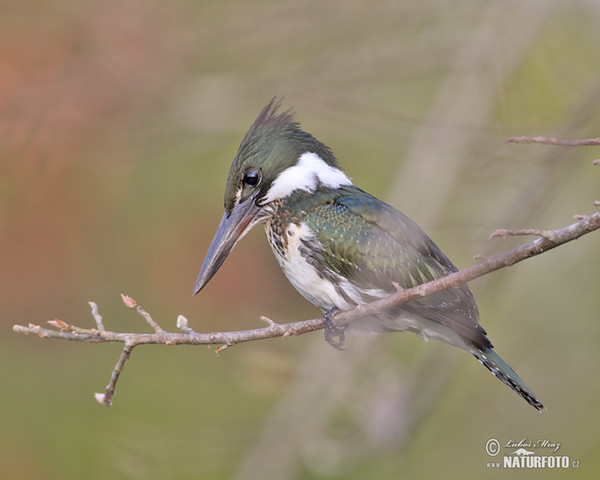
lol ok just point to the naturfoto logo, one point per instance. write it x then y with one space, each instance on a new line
525 453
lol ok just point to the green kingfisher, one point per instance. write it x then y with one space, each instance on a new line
340 246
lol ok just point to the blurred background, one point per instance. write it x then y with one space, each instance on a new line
118 123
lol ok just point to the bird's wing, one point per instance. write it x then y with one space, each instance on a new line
373 245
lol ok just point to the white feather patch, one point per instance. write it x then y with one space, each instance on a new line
310 172
303 276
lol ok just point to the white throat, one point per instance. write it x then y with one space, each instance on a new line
310 172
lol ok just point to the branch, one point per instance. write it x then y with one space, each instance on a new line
548 240
551 239
63 331
555 141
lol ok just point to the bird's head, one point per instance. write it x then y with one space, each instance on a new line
275 159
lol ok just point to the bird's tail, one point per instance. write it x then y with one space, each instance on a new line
492 361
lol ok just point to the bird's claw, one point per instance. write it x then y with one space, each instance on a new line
334 335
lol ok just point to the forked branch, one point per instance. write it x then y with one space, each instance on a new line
548 240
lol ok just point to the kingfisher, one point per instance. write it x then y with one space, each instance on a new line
340 246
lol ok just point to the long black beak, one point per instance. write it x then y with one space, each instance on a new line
232 228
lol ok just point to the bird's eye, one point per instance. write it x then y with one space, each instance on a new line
251 178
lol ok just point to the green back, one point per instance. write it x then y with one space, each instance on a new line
373 245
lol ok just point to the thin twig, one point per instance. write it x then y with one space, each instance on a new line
106 397
131 303
97 316
267 320
555 141
182 324
549 234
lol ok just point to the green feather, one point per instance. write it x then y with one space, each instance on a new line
374 245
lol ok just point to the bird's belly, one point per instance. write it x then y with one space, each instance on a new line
333 290
310 283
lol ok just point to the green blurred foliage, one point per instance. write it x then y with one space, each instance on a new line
118 122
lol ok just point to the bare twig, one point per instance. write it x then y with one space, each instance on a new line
106 397
555 141
549 234
182 324
549 239
97 316
131 303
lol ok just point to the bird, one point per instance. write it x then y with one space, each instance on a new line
339 246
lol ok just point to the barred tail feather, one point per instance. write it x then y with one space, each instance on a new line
492 361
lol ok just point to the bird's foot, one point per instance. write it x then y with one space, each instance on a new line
334 335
